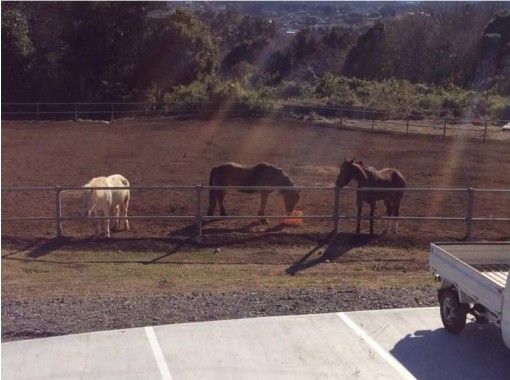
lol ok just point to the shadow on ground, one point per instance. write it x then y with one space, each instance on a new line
419 350
334 247
246 236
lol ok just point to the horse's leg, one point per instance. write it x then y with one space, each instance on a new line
396 211
372 211
124 211
116 212
221 197
389 212
121 221
97 224
263 200
212 202
359 203
107 221
102 229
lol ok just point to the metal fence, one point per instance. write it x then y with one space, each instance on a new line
198 217
338 115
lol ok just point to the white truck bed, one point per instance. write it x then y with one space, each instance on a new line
479 269
494 272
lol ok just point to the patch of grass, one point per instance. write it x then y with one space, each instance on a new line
201 271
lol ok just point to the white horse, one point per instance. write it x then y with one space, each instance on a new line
108 202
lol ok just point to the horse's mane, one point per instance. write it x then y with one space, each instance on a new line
366 171
285 179
367 168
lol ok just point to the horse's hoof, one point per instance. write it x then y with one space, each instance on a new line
264 221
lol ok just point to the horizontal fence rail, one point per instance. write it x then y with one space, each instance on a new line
199 216
439 124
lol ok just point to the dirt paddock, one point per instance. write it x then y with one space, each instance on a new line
40 274
170 152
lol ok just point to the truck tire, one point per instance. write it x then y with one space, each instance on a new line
453 313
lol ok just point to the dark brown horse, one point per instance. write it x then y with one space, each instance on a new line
262 174
367 176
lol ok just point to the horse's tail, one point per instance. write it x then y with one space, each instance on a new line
400 182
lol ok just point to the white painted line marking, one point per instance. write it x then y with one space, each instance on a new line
377 348
393 310
158 354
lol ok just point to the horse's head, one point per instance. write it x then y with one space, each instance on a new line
291 198
347 171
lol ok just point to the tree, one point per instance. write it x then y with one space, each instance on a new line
181 49
279 65
494 65
388 10
17 54
105 42
311 53
368 58
248 42
48 21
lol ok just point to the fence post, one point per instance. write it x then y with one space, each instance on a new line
75 112
111 111
198 218
37 111
407 124
485 131
444 128
373 122
336 211
469 216
58 210
341 116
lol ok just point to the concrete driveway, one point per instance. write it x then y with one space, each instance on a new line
383 344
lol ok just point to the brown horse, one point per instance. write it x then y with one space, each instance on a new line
262 174
367 176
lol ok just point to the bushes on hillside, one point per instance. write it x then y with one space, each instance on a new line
209 96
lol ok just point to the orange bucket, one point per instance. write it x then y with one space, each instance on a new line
295 220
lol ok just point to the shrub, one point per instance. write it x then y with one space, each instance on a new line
288 90
205 97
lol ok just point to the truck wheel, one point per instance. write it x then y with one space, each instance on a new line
453 313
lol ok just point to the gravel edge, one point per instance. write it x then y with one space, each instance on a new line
27 319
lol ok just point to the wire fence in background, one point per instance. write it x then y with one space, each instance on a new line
199 217
350 117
